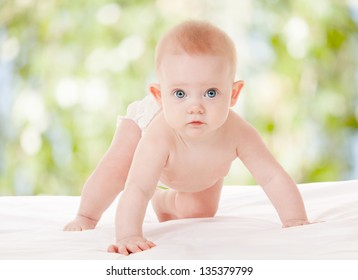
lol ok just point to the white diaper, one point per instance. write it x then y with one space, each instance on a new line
141 112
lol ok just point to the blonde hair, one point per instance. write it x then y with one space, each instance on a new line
196 37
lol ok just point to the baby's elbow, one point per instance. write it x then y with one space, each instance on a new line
276 177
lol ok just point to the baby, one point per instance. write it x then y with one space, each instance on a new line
185 136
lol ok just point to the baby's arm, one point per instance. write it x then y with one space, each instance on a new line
148 162
108 179
277 184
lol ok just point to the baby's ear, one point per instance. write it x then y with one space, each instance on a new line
155 91
236 89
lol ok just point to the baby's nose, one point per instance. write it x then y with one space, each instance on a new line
196 109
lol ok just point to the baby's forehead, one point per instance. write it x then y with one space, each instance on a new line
179 70
196 38
180 58
180 64
207 45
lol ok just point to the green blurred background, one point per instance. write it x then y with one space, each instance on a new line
68 68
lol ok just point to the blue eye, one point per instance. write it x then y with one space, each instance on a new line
180 94
211 93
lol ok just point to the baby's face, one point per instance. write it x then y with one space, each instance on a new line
195 93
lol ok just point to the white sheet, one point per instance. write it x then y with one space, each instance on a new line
246 227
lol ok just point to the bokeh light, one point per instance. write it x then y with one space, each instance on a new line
69 68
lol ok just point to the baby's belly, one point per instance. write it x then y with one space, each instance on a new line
195 175
189 183
184 186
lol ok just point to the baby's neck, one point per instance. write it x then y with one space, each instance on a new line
208 139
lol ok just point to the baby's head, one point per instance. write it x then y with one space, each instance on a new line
195 65
196 38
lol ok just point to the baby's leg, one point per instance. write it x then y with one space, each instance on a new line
108 178
170 204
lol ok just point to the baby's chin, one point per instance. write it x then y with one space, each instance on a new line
197 132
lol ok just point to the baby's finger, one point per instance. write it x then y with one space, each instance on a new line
151 244
145 245
123 250
71 228
133 248
112 249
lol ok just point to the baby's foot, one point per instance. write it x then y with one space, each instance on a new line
80 223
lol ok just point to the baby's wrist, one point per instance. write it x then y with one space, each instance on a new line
125 238
88 219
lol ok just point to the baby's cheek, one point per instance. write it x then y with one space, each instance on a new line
220 116
172 119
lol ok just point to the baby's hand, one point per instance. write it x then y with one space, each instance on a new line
130 245
80 223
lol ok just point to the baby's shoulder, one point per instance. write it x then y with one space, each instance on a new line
235 122
242 131
158 129
240 128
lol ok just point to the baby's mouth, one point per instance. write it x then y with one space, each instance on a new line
196 123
